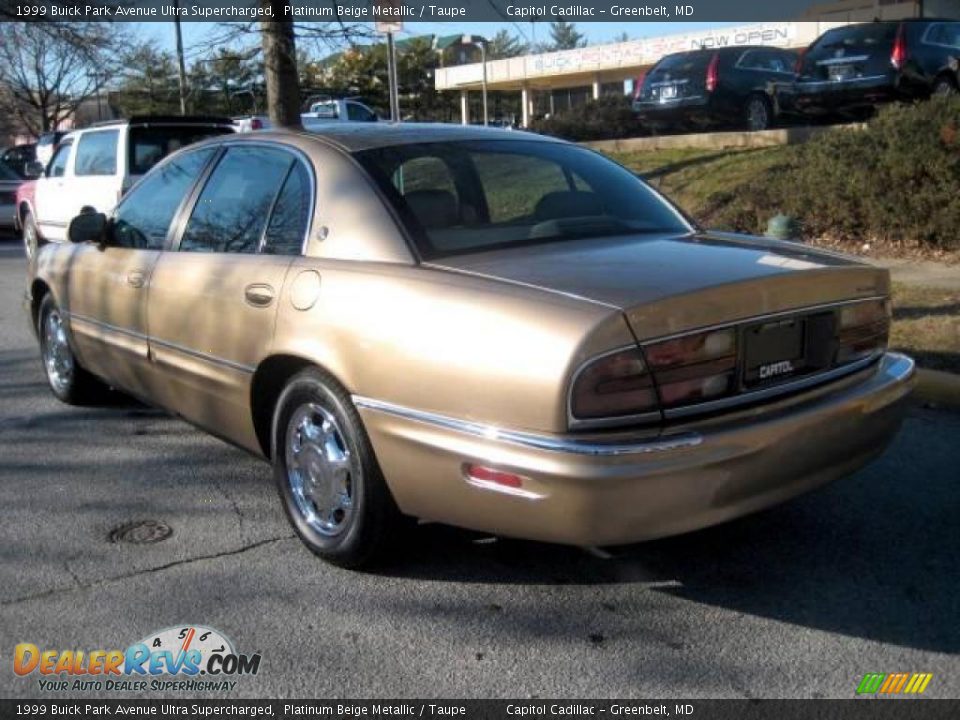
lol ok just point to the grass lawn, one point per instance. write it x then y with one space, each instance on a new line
699 180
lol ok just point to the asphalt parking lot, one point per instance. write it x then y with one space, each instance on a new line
799 601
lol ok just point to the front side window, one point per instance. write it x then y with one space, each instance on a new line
232 210
97 153
358 113
143 218
58 163
513 193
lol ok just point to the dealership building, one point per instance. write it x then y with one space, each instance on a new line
554 81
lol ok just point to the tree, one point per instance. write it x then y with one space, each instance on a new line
564 36
48 75
505 45
150 84
280 63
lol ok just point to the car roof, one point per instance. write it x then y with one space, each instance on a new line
354 137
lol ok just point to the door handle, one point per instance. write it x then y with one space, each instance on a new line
259 295
136 279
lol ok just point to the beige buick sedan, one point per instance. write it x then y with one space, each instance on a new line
483 328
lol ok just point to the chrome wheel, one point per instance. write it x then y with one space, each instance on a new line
30 238
57 356
321 471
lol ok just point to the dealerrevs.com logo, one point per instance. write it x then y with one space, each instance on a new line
189 658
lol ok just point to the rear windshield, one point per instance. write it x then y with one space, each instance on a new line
149 145
682 64
463 197
860 37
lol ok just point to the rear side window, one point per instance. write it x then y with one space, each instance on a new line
231 213
58 163
143 218
150 145
97 153
290 216
947 34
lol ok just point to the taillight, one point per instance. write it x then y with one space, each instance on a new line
898 58
613 385
256 124
864 329
694 368
713 73
798 65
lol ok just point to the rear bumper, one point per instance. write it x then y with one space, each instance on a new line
585 493
696 109
831 96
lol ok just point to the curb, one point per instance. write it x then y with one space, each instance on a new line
938 388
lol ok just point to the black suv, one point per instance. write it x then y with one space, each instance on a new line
850 69
703 88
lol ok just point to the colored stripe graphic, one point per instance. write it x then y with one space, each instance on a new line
894 683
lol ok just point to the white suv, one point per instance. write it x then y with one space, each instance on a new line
94 167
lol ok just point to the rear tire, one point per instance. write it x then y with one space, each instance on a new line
758 113
67 379
30 235
327 476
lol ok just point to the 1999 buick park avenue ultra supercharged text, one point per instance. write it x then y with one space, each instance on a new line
488 329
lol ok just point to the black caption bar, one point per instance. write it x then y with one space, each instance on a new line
409 10
866 709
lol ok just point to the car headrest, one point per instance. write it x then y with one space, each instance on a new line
434 208
567 203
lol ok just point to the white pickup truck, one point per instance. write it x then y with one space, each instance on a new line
320 113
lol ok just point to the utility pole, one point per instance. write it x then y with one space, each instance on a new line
181 67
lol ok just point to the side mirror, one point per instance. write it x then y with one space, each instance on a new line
87 227
33 169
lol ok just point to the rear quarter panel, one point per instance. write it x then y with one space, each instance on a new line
446 342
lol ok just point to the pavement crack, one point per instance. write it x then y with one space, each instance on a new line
233 504
138 573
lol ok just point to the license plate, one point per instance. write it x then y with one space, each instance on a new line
773 351
840 72
668 92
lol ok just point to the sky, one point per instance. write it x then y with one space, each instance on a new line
196 35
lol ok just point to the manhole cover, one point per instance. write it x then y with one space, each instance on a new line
142 532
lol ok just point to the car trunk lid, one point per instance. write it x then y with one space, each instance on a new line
668 284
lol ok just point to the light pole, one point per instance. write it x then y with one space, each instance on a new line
181 68
478 40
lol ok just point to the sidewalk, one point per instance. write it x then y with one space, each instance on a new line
926 273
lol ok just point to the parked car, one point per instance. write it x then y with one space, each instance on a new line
850 69
249 123
9 182
490 329
709 88
47 144
17 157
94 167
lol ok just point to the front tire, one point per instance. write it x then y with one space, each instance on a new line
67 379
944 86
327 475
758 113
30 235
